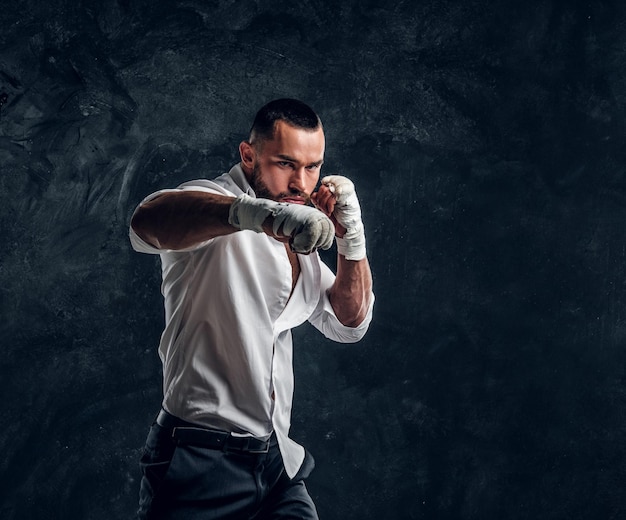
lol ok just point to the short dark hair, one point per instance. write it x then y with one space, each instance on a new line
291 111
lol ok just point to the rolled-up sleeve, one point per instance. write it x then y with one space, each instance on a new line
325 320
141 246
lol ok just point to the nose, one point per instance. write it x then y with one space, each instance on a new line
298 179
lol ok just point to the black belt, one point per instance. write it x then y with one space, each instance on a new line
188 434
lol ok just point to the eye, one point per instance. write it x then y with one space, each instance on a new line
284 164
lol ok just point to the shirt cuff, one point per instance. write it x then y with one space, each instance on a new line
334 329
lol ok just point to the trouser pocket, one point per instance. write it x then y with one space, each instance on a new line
155 463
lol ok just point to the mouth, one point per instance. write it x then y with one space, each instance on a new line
294 200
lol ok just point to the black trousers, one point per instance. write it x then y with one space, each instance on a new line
186 482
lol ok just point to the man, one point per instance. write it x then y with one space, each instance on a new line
240 269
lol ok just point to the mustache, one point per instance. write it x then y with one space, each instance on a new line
295 193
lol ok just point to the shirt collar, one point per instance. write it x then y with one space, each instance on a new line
239 177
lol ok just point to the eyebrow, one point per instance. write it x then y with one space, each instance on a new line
286 157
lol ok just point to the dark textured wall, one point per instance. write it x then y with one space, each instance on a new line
486 141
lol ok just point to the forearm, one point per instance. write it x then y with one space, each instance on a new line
181 219
350 295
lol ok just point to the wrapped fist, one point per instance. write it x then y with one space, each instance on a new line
347 213
307 228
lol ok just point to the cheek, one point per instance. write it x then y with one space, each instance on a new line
276 180
311 181
270 177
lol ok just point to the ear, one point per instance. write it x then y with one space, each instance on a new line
248 155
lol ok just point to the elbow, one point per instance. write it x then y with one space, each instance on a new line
140 224
352 320
352 315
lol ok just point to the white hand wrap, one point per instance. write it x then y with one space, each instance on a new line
308 227
348 213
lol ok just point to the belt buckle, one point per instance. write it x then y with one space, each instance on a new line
246 447
263 450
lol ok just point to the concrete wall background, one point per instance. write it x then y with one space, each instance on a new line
486 143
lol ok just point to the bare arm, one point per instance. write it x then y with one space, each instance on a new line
350 295
181 219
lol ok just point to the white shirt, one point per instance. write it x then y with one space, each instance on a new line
229 310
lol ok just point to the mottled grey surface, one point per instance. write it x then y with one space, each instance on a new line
486 141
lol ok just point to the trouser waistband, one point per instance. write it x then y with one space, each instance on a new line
185 433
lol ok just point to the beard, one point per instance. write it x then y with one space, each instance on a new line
262 191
